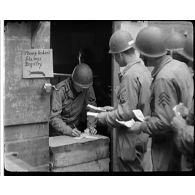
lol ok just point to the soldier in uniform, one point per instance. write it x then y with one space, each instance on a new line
172 84
174 42
133 93
188 54
69 101
184 138
184 129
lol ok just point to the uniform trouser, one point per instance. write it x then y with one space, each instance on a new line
165 156
130 151
187 162
128 166
147 160
145 165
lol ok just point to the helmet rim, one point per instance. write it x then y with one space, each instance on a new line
151 55
120 51
186 55
82 85
120 41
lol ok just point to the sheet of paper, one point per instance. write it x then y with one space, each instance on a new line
86 131
92 114
96 108
78 137
90 137
86 135
139 115
127 123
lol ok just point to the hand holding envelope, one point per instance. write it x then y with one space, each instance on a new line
93 114
100 109
138 114
97 109
126 123
180 110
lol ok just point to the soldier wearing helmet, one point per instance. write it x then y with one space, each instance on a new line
69 101
174 43
133 93
188 53
172 84
184 127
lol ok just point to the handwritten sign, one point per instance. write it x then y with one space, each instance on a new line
38 63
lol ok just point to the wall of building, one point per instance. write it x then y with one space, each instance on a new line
26 109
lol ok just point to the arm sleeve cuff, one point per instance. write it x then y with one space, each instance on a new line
144 127
67 130
102 117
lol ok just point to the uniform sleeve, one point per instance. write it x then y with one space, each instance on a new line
55 115
91 99
185 140
128 100
190 117
165 98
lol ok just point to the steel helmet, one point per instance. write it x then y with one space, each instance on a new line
82 76
188 52
120 41
175 41
150 42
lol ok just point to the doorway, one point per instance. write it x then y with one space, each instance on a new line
90 41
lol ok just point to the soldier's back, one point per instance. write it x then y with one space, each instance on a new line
178 74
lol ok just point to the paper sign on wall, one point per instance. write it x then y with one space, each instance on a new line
38 63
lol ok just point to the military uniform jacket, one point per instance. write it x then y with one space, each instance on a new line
185 142
68 108
172 84
185 137
133 93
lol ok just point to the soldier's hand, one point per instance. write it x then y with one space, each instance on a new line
136 128
75 132
181 110
101 117
178 123
146 118
92 130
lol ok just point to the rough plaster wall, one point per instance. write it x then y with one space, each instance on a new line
26 107
179 26
24 101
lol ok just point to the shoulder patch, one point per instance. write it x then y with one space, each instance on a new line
123 96
61 84
65 84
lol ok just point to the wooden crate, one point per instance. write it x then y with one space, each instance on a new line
70 154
